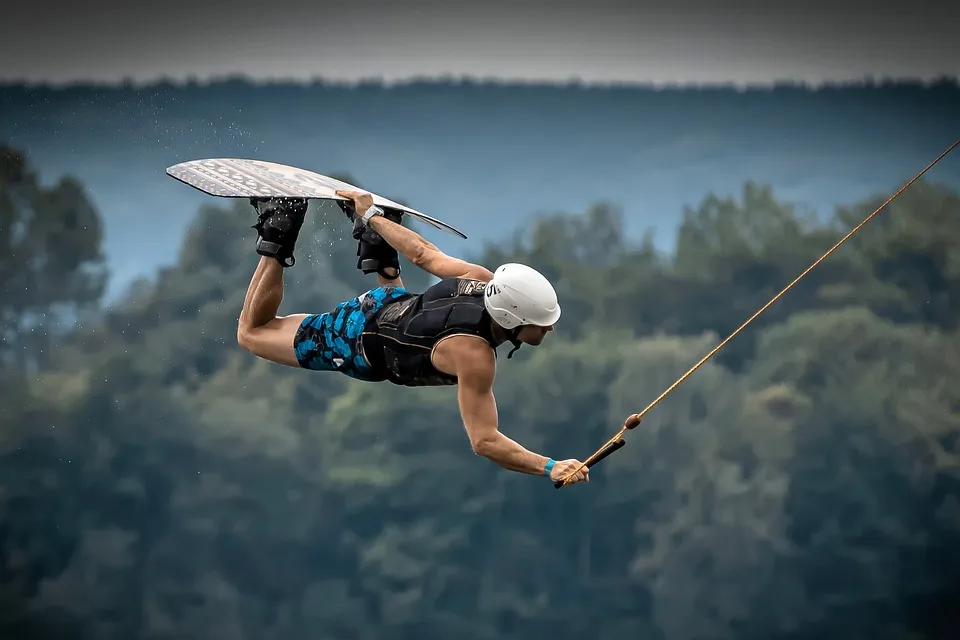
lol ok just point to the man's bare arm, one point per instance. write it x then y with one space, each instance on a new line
413 246
478 407
425 255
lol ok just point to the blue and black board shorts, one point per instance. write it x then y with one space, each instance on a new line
329 341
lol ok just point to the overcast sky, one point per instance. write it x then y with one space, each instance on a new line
593 40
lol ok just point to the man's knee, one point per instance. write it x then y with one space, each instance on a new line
252 339
273 341
245 339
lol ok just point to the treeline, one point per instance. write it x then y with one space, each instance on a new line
157 482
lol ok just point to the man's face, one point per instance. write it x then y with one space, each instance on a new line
533 334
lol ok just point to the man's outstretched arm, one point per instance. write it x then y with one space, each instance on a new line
425 255
415 247
478 407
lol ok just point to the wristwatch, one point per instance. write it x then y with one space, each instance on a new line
374 210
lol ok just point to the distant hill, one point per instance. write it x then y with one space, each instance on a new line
483 156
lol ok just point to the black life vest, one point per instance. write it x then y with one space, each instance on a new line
398 342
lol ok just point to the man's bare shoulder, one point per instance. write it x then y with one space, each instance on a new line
468 357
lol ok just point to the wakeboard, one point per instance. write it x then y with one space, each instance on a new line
243 178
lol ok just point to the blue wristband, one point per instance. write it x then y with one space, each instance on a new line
547 468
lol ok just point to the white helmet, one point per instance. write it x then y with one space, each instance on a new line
520 295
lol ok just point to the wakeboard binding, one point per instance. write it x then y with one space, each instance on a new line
374 254
279 221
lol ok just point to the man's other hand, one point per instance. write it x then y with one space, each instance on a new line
563 468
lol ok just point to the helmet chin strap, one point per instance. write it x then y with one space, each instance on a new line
512 337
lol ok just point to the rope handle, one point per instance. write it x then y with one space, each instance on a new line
613 444
602 453
617 441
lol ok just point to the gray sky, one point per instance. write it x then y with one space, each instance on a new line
593 40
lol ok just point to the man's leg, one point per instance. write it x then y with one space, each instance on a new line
259 330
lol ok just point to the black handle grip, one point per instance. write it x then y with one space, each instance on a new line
610 449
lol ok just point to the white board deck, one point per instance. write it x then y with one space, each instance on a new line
244 178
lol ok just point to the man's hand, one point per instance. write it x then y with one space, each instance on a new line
562 468
361 199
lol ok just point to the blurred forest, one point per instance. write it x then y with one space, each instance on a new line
157 482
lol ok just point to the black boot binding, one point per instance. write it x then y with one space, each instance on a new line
373 253
377 258
278 226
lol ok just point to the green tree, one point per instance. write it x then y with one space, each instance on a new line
156 481
51 262
909 256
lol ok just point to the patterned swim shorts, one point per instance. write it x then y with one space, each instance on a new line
328 341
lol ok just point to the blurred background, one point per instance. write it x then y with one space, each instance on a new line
669 167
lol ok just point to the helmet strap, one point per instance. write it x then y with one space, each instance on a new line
512 336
